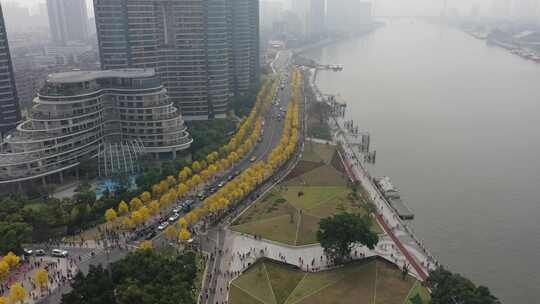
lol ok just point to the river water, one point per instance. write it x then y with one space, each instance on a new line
455 123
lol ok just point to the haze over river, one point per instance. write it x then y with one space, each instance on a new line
456 125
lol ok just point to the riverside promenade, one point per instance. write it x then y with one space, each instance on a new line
407 245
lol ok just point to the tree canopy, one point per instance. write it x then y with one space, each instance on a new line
450 288
143 277
338 234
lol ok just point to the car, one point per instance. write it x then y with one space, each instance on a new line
162 226
174 217
230 177
220 185
40 252
177 209
253 159
59 253
201 195
28 252
187 208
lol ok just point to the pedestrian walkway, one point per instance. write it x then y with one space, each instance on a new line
415 252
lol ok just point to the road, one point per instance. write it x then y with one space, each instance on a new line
95 254
271 134
216 242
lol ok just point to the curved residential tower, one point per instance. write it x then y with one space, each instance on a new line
76 113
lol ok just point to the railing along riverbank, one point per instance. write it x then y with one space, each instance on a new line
421 264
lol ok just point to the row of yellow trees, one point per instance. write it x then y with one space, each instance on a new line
235 190
17 292
8 262
189 179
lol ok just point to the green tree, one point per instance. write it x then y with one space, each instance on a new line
94 288
338 234
448 287
142 277
12 235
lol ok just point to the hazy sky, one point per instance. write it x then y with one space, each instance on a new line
385 7
417 7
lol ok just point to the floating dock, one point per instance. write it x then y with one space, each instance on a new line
392 195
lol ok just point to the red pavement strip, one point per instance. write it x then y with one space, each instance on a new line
387 229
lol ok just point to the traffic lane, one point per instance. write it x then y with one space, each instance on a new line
73 252
270 138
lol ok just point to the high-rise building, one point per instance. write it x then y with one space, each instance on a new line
244 45
316 18
186 41
347 16
10 114
68 20
270 12
80 115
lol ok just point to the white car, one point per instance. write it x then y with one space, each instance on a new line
59 253
163 226
174 217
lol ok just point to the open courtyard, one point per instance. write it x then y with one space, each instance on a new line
369 281
316 188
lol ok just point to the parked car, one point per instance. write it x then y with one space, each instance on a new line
162 226
253 159
221 184
27 252
59 253
40 252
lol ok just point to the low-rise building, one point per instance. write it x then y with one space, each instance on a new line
77 112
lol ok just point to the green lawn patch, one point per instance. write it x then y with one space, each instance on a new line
318 151
283 280
255 283
391 288
356 286
324 176
279 229
307 231
368 281
309 197
303 167
273 205
242 297
312 283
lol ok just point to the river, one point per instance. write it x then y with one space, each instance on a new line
455 124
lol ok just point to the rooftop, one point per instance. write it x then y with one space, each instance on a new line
81 76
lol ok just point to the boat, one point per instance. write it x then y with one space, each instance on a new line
392 196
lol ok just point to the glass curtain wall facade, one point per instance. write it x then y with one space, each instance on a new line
10 114
185 41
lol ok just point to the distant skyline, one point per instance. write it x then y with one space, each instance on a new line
435 7
32 5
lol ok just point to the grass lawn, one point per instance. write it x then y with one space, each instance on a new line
307 230
279 229
390 280
321 151
324 176
291 212
272 205
303 167
312 196
368 281
285 217
255 283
